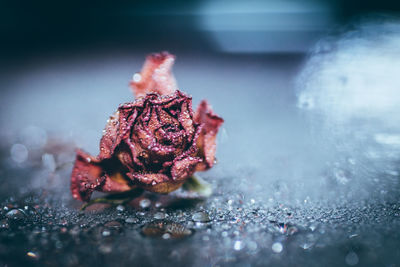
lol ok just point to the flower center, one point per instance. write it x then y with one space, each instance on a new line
169 128
169 134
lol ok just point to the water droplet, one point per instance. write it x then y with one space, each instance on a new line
159 215
16 215
106 233
313 227
32 255
277 247
238 245
353 235
120 208
166 236
306 245
4 224
137 77
131 220
201 217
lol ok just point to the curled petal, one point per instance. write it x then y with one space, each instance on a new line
184 168
110 138
118 128
186 117
155 76
206 141
87 176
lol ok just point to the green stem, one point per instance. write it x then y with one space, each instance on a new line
196 184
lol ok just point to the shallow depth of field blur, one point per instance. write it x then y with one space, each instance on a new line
308 157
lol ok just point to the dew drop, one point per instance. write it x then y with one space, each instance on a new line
238 245
120 208
106 233
32 255
131 220
159 215
166 236
201 217
277 247
144 203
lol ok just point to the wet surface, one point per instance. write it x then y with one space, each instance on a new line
269 205
45 227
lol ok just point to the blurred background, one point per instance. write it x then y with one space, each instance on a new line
39 28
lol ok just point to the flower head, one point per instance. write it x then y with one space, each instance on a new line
154 143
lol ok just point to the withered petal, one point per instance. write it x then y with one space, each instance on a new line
206 142
110 138
155 76
186 117
157 112
116 183
155 182
148 178
87 176
184 167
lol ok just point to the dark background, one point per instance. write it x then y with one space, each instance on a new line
35 27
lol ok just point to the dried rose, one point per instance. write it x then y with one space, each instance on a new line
154 143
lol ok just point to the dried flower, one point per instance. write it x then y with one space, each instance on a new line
155 76
154 143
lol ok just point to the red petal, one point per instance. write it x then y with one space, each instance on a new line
110 138
87 176
206 142
186 117
118 129
155 76
184 168
148 178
